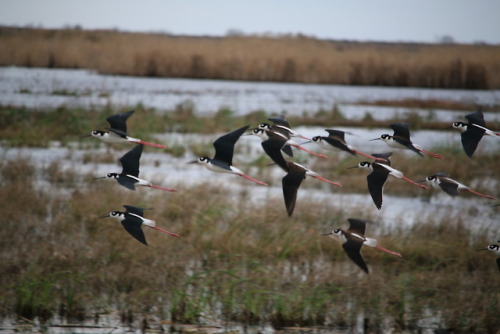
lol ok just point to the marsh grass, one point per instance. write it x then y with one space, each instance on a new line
256 58
235 261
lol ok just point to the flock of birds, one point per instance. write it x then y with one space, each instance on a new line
277 141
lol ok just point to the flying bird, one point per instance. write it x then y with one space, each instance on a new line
336 140
378 176
296 173
353 239
265 134
117 132
132 220
473 131
129 176
448 185
222 162
401 140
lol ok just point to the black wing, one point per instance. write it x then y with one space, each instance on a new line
352 249
471 138
401 130
272 147
476 117
376 181
338 143
224 145
450 188
118 122
357 226
384 156
130 161
133 226
135 210
336 134
279 120
291 183
127 182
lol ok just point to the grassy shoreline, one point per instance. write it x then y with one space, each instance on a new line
256 58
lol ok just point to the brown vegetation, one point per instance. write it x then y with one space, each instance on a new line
256 58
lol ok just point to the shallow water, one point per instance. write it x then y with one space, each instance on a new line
52 88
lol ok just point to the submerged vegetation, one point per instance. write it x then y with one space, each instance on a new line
237 260
288 58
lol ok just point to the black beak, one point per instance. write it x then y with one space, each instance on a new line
326 234
104 216
193 162
375 139
85 136
482 249
352 167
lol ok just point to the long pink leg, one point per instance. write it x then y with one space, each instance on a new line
369 156
327 181
415 183
151 144
387 251
165 231
161 188
479 194
310 152
252 179
432 154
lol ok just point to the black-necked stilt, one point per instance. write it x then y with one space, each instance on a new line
117 132
401 140
473 131
222 162
280 124
449 186
296 173
129 177
133 219
336 139
378 176
265 134
353 239
495 248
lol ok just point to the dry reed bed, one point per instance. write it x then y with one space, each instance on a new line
283 59
234 262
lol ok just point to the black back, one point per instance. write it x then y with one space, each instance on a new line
224 145
291 183
118 122
130 161
376 180
127 182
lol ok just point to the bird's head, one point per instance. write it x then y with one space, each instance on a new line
115 214
201 160
461 126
